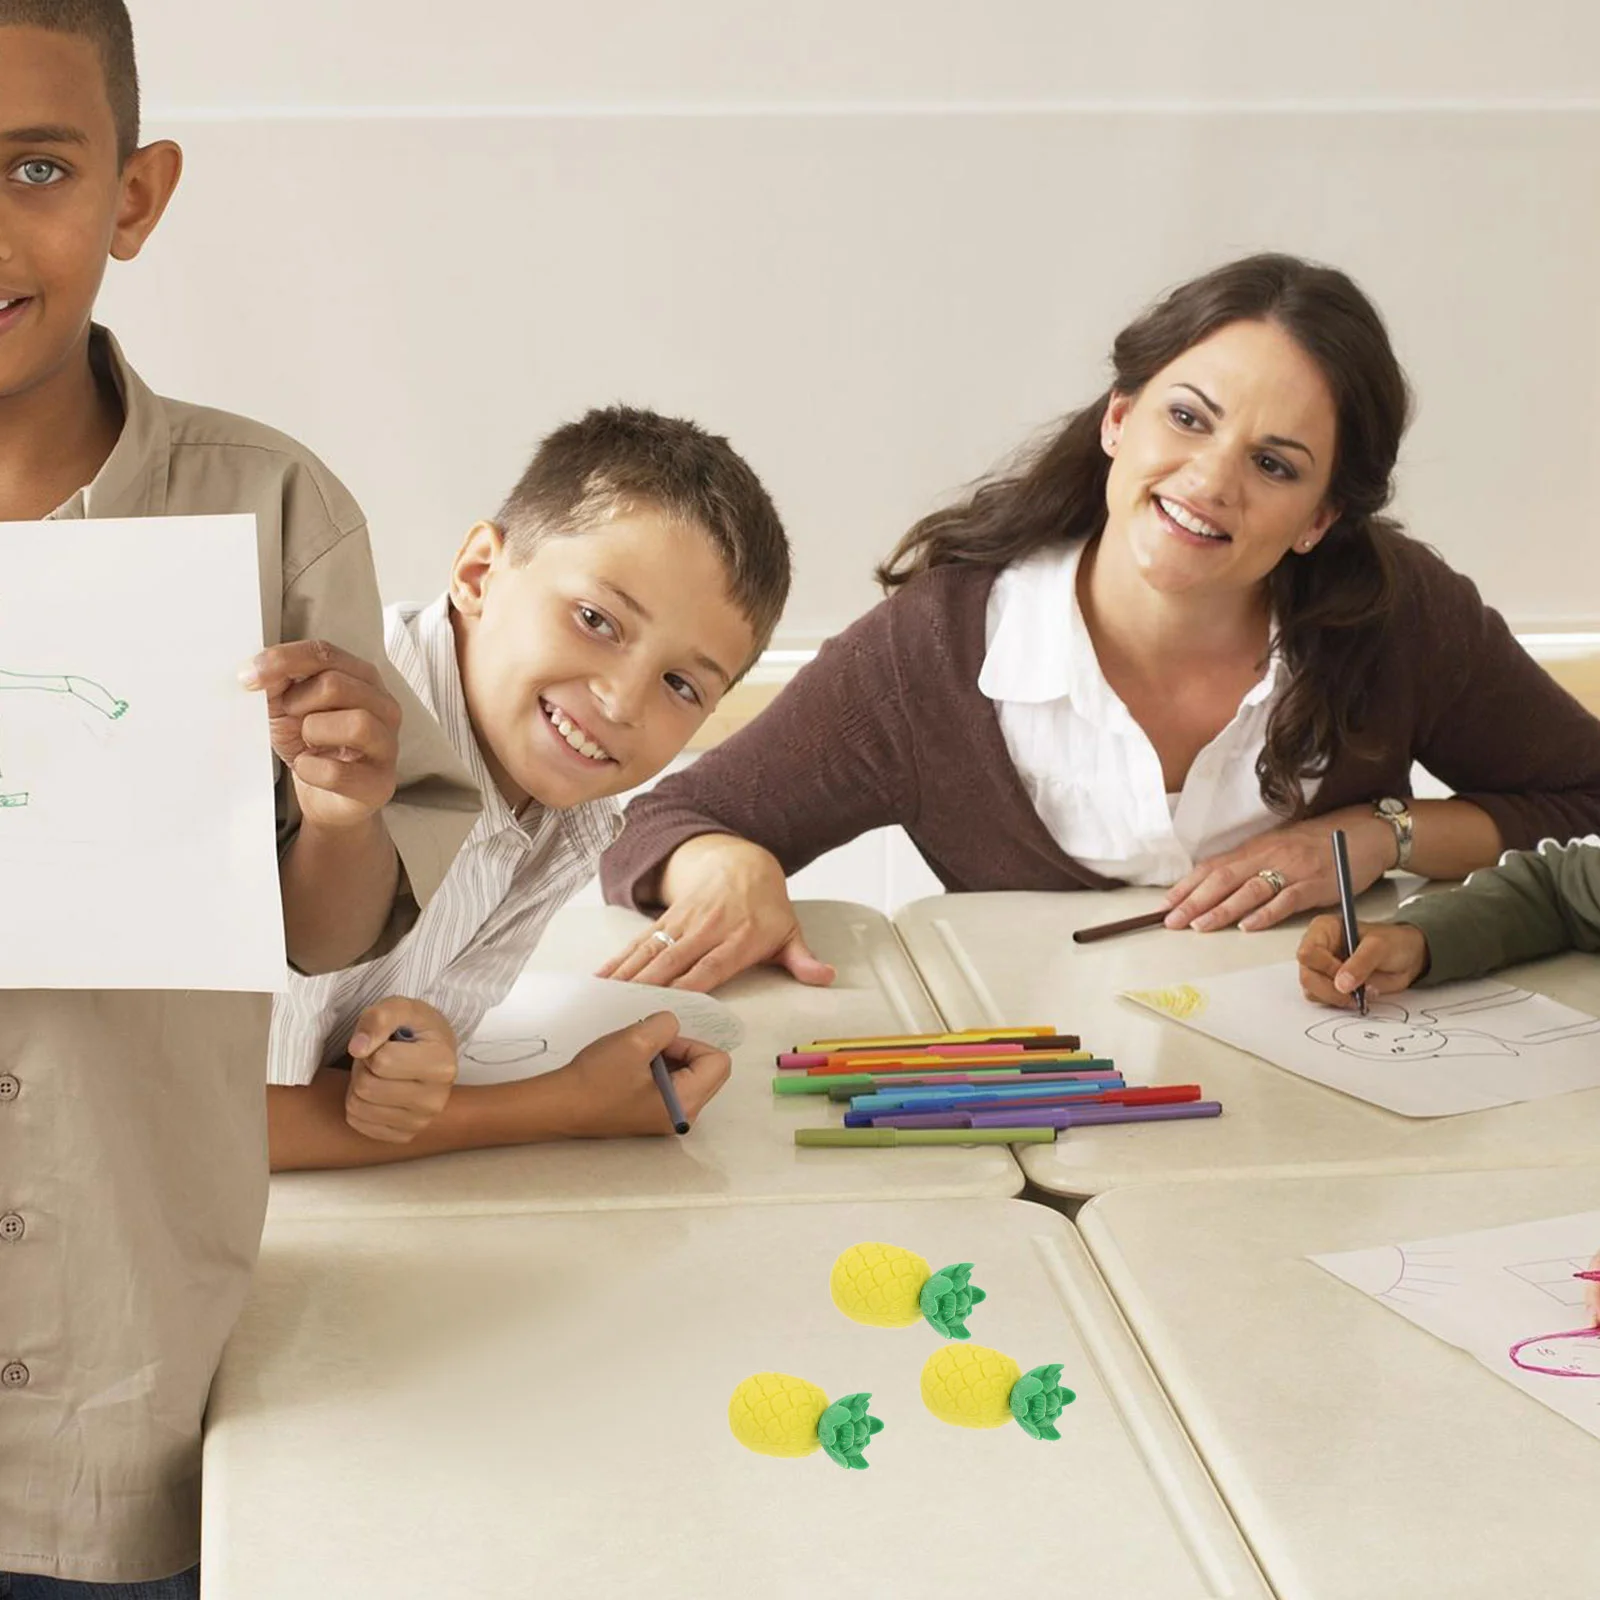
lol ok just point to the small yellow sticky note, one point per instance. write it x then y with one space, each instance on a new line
1183 1000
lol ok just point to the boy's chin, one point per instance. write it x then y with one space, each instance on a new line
558 791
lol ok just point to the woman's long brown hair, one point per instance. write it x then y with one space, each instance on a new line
1330 606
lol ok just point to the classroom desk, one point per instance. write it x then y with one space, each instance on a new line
990 958
471 1408
742 1150
1363 1458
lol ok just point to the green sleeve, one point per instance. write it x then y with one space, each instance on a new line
1535 903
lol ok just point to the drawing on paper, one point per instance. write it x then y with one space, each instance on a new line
1503 1024
1573 1354
1181 1000
1418 1274
65 683
1556 1278
504 1052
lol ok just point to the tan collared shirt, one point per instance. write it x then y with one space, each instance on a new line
133 1162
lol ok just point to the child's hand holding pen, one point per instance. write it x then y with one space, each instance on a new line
1591 1291
402 1067
1389 957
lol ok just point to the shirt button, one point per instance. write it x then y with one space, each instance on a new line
13 1375
12 1227
9 1087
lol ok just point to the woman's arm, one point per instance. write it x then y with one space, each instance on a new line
830 759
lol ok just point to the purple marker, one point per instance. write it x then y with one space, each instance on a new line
1051 1117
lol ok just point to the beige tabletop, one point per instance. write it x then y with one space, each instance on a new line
469 1408
991 958
742 1149
1364 1458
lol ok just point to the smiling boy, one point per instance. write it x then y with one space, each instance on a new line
634 574
132 1178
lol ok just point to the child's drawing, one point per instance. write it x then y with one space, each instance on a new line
1503 1024
66 683
1438 1052
1484 1291
504 1052
1574 1354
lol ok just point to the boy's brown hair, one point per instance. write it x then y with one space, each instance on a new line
621 459
106 25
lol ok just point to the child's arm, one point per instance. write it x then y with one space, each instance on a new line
336 730
1535 903
605 1092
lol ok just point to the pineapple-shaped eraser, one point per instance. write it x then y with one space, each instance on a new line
971 1387
776 1415
887 1287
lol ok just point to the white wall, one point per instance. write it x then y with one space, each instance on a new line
875 243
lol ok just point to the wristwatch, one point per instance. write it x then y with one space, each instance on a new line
1398 815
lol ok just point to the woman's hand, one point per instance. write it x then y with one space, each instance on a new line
1244 885
728 908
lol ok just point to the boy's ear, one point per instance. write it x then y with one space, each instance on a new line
148 178
482 548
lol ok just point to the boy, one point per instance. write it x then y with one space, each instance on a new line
1535 903
632 577
132 1179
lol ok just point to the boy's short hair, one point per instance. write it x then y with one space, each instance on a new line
621 459
106 25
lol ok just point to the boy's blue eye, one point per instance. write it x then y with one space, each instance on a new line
40 174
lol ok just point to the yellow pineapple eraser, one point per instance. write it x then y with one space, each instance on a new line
884 1286
969 1386
776 1415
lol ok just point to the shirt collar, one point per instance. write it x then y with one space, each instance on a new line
1041 649
132 482
436 639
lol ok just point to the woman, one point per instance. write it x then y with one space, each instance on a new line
1177 645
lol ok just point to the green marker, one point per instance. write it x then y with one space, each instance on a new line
847 1138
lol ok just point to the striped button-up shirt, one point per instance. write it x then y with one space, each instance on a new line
474 937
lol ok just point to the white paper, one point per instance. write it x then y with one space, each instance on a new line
1424 1052
550 1016
1504 1295
137 837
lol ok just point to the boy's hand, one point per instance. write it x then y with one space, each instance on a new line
1389 957
334 726
1591 1294
728 908
606 1090
398 1086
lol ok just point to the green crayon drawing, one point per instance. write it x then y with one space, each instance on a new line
67 683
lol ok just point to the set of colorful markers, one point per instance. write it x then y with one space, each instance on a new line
1019 1085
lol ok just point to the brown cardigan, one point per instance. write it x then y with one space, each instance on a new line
888 726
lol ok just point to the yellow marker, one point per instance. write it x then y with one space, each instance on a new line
912 1041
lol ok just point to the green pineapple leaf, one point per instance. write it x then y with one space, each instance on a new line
947 1300
1037 1399
845 1429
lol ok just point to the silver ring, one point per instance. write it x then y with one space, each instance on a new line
1273 879
662 938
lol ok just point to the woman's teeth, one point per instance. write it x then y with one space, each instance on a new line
1188 521
572 733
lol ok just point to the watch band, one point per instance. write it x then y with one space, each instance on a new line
1398 815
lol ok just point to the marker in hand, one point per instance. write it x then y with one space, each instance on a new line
662 1073
1347 908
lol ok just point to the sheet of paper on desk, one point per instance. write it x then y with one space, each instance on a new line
1504 1295
137 835
550 1016
1424 1053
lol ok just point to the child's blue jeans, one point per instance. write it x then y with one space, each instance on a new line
18 1586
